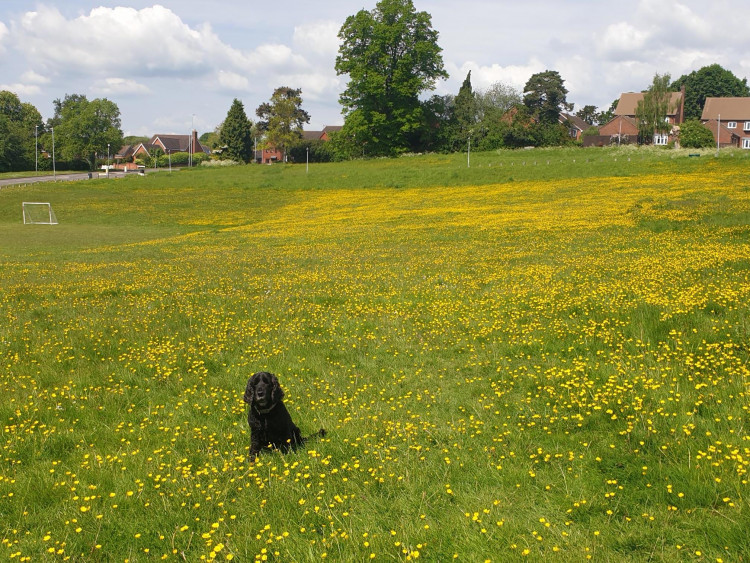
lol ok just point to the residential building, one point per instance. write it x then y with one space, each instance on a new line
730 119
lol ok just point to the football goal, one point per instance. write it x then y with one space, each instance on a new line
36 213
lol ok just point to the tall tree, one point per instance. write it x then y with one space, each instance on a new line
84 128
652 111
589 114
236 134
281 119
19 124
545 96
464 114
711 81
391 56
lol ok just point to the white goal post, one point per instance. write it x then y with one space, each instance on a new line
37 213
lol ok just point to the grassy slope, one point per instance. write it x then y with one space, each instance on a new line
542 355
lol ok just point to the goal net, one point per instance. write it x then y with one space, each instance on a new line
35 213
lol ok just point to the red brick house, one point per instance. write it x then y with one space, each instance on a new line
624 123
576 126
730 118
171 144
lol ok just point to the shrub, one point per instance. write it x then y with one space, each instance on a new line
695 135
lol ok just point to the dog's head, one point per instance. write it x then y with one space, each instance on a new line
263 391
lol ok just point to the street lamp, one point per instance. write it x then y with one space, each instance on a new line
307 161
36 148
54 170
108 160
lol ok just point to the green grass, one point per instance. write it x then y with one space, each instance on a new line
542 357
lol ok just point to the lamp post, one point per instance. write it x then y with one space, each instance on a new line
36 148
54 170
108 153
307 160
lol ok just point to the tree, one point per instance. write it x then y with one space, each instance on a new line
464 116
281 119
652 111
236 134
19 124
695 135
545 96
85 130
588 114
604 117
391 56
711 81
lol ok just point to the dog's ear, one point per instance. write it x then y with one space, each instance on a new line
250 389
277 392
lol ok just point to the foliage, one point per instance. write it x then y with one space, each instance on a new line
588 114
316 150
605 116
652 111
84 128
19 124
711 81
514 361
391 56
545 96
464 118
282 118
591 131
236 134
695 135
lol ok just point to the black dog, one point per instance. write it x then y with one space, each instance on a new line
270 422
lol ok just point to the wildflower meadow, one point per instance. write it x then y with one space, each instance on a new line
531 355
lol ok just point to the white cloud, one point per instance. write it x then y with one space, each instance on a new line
622 40
232 81
318 38
3 34
21 90
34 77
121 86
484 76
151 41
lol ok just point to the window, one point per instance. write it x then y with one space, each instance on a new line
746 143
747 125
661 140
732 125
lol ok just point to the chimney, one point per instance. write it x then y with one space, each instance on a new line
194 142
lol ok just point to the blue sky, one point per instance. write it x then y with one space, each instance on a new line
175 63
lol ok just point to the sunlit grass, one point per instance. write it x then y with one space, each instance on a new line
548 363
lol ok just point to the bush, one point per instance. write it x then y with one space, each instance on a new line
320 151
695 135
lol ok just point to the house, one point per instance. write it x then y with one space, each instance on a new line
624 122
171 144
621 129
576 126
271 154
730 117
324 135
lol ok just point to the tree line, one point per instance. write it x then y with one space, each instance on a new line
392 59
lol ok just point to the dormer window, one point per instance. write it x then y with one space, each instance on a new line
732 125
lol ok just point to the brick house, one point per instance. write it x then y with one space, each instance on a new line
171 144
576 126
730 117
625 124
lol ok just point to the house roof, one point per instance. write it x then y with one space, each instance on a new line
176 143
312 135
577 122
125 151
332 128
730 109
629 102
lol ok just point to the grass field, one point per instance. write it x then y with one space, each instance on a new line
542 356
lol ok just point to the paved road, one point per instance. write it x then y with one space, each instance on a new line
60 178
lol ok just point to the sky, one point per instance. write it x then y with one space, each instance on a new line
178 64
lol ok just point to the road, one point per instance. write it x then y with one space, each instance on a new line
59 178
